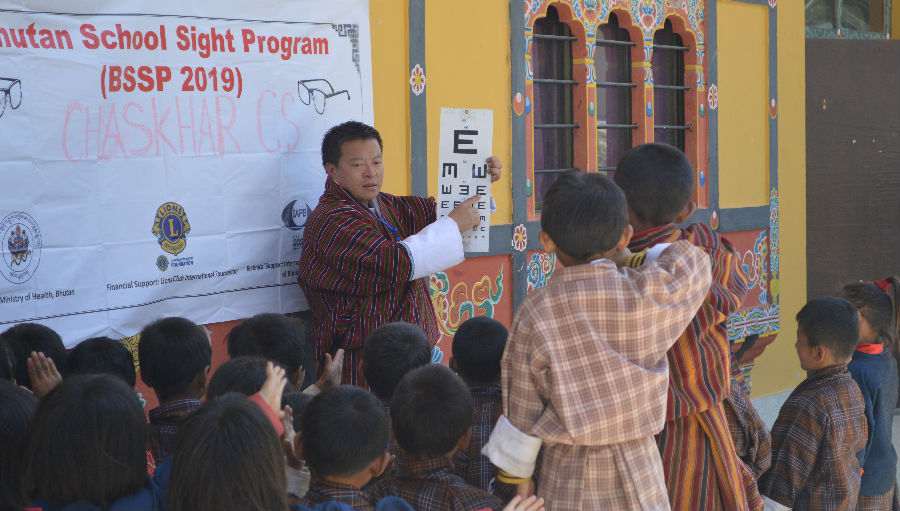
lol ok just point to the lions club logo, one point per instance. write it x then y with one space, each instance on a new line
170 227
20 245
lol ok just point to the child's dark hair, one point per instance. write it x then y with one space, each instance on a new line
244 375
102 355
24 338
344 430
875 306
6 363
271 336
298 402
658 180
431 411
172 352
227 456
831 322
477 349
391 351
584 214
345 132
87 442
16 409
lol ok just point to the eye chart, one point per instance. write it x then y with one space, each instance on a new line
465 144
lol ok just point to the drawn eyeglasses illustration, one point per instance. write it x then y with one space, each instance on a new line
311 93
11 92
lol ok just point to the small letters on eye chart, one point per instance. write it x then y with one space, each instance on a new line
465 144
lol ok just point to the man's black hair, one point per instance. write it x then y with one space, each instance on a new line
16 409
344 429
271 336
831 322
6 363
102 355
172 352
227 456
87 442
477 349
345 132
391 351
430 412
24 338
584 214
658 180
244 375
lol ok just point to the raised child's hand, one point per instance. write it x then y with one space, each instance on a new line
42 373
532 503
273 388
334 368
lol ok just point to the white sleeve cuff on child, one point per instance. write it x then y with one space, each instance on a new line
653 252
771 505
312 390
511 450
435 248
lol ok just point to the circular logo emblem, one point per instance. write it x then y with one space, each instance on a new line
170 226
162 263
294 215
20 247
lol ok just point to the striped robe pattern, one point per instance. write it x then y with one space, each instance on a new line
701 467
355 273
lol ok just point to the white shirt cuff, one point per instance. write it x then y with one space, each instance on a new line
312 390
511 450
771 505
493 204
435 248
654 252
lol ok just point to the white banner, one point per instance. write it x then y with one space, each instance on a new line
465 144
160 158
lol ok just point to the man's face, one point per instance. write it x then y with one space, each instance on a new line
359 170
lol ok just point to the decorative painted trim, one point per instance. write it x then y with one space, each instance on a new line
417 80
418 107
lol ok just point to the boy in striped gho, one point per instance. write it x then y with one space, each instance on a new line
702 468
584 372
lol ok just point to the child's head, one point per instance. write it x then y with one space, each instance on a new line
87 442
24 338
273 337
227 456
431 413
102 355
391 351
584 217
345 435
658 180
16 409
827 332
477 349
244 375
877 315
6 363
174 354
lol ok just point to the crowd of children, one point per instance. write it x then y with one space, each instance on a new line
614 388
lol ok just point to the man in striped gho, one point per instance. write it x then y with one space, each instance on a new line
367 254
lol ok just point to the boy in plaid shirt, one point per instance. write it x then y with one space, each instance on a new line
822 424
584 372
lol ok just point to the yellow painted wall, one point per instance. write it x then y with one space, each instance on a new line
743 104
467 66
778 368
389 22
895 19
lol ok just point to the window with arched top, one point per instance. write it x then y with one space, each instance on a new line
554 123
667 65
612 69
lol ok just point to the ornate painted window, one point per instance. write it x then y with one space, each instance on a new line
667 65
612 70
554 125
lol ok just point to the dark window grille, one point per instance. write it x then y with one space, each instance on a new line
612 68
554 119
667 65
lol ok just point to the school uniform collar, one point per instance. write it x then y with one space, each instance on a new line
650 237
826 372
424 469
871 349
